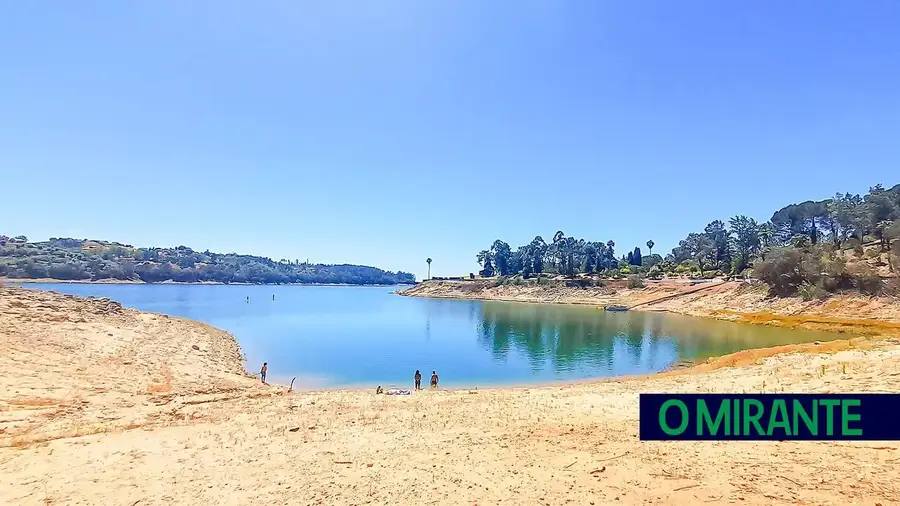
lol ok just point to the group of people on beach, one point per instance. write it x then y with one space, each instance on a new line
418 379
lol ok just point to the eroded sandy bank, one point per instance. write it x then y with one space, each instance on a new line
732 300
103 405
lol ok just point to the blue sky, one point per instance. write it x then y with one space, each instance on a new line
386 132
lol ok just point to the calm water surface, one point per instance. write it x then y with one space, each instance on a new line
363 336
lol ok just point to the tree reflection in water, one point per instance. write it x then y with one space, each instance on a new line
588 341
566 341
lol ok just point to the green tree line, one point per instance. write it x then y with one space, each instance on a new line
80 259
563 255
812 248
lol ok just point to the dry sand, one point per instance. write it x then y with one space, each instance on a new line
104 405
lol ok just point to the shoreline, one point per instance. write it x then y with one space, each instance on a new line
746 356
729 301
50 281
860 341
866 332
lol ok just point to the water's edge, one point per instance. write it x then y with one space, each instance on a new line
676 366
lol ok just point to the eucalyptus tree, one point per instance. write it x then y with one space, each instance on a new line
745 242
487 266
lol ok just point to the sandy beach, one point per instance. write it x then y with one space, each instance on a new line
112 406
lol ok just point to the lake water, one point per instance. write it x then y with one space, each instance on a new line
330 336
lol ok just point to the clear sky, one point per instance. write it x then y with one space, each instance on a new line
386 132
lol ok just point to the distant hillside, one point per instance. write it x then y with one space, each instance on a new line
91 260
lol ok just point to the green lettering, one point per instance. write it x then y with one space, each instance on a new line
737 417
752 418
829 404
704 418
779 418
847 417
812 424
662 417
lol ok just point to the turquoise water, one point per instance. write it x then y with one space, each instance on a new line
329 336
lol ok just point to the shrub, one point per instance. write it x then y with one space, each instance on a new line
833 272
894 257
812 265
635 281
786 269
738 264
684 267
809 291
892 287
781 271
582 283
866 280
638 269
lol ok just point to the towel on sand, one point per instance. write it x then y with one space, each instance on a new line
396 391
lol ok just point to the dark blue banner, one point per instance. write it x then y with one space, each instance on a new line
772 417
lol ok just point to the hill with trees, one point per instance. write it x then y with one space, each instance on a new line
90 260
813 248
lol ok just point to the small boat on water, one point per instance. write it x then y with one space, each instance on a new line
616 308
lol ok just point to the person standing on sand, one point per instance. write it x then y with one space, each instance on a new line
263 371
418 378
434 379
